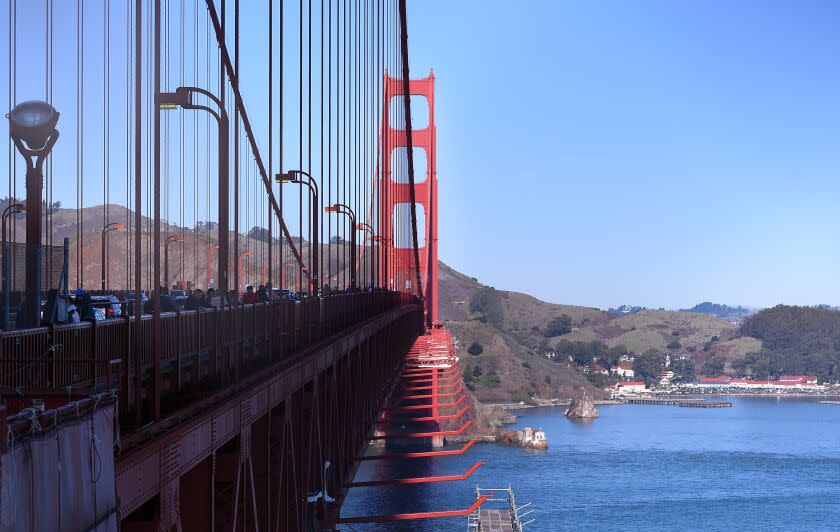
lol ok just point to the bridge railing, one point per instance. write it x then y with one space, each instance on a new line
202 350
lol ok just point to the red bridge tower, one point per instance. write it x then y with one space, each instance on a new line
394 195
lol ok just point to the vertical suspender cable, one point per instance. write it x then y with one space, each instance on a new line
195 152
410 150
138 205
237 280
270 132
312 249
300 134
283 281
106 57
128 35
318 203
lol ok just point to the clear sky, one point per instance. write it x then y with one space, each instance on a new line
651 152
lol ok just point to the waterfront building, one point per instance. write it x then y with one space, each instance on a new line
798 379
628 387
623 370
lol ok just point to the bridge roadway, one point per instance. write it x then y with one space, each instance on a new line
250 411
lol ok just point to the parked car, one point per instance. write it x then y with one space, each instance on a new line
281 293
179 295
109 305
129 302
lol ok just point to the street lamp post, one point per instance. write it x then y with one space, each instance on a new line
368 229
14 208
294 176
114 226
242 256
32 129
210 249
340 208
169 240
183 97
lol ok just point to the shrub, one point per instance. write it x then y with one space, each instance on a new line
674 345
714 365
558 326
491 380
548 379
475 349
526 365
487 302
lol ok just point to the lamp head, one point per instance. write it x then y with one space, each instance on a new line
172 100
33 122
292 176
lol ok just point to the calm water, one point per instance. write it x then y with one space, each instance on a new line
763 464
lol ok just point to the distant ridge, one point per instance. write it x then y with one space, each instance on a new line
724 312
624 310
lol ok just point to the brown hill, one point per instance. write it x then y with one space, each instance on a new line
511 348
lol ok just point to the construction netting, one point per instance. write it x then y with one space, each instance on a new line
61 478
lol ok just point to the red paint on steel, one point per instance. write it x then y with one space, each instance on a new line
400 272
421 407
431 434
427 418
422 454
419 515
439 385
431 396
416 480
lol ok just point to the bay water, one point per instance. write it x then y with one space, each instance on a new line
764 464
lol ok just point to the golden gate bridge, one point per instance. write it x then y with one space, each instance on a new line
145 383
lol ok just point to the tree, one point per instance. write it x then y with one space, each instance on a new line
491 380
558 326
477 371
548 379
683 369
487 302
648 365
259 233
674 345
714 365
475 349
613 355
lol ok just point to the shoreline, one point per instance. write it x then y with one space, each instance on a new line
610 402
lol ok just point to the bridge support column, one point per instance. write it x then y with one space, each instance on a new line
170 505
437 441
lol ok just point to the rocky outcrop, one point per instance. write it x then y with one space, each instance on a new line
527 438
500 417
582 407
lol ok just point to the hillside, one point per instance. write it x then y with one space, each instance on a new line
515 330
512 329
796 340
192 266
724 312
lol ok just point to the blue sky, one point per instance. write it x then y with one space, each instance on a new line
650 152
